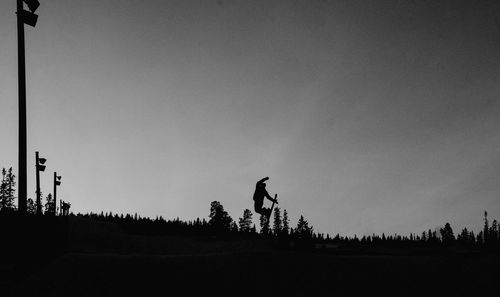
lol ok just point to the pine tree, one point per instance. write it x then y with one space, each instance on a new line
494 231
3 189
303 231
285 222
264 225
246 221
463 236
234 227
253 230
31 207
447 234
472 237
7 189
486 228
219 218
49 205
277 224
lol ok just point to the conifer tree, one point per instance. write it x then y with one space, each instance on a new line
3 189
447 234
31 207
219 218
246 221
494 231
303 231
285 222
464 236
264 225
7 189
234 227
277 224
253 230
50 207
486 228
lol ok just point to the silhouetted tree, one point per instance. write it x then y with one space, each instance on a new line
277 225
50 207
480 238
303 231
486 228
219 218
3 188
31 206
11 183
246 221
466 237
285 222
253 230
7 189
447 234
494 231
264 225
234 227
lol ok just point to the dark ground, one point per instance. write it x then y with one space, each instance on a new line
101 260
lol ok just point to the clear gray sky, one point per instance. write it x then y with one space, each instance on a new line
368 116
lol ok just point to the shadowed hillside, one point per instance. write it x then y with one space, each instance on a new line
103 258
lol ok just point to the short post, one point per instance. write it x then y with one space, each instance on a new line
39 167
57 182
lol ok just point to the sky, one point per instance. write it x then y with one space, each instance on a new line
368 116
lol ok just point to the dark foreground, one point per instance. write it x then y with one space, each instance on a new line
100 260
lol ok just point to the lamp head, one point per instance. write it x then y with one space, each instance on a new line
28 18
32 4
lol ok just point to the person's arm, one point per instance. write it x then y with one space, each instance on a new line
263 180
271 198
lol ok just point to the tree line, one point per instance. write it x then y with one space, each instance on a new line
222 224
302 234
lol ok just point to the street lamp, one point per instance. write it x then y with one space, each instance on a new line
57 182
39 167
29 18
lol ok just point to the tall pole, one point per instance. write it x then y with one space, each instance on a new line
55 192
22 175
38 194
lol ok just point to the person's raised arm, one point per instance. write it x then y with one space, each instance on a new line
263 180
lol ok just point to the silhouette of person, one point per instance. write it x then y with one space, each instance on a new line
259 195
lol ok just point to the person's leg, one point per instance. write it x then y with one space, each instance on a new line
258 208
264 211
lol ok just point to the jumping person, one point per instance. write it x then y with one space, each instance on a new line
258 197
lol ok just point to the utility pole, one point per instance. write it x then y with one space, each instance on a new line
22 175
29 18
